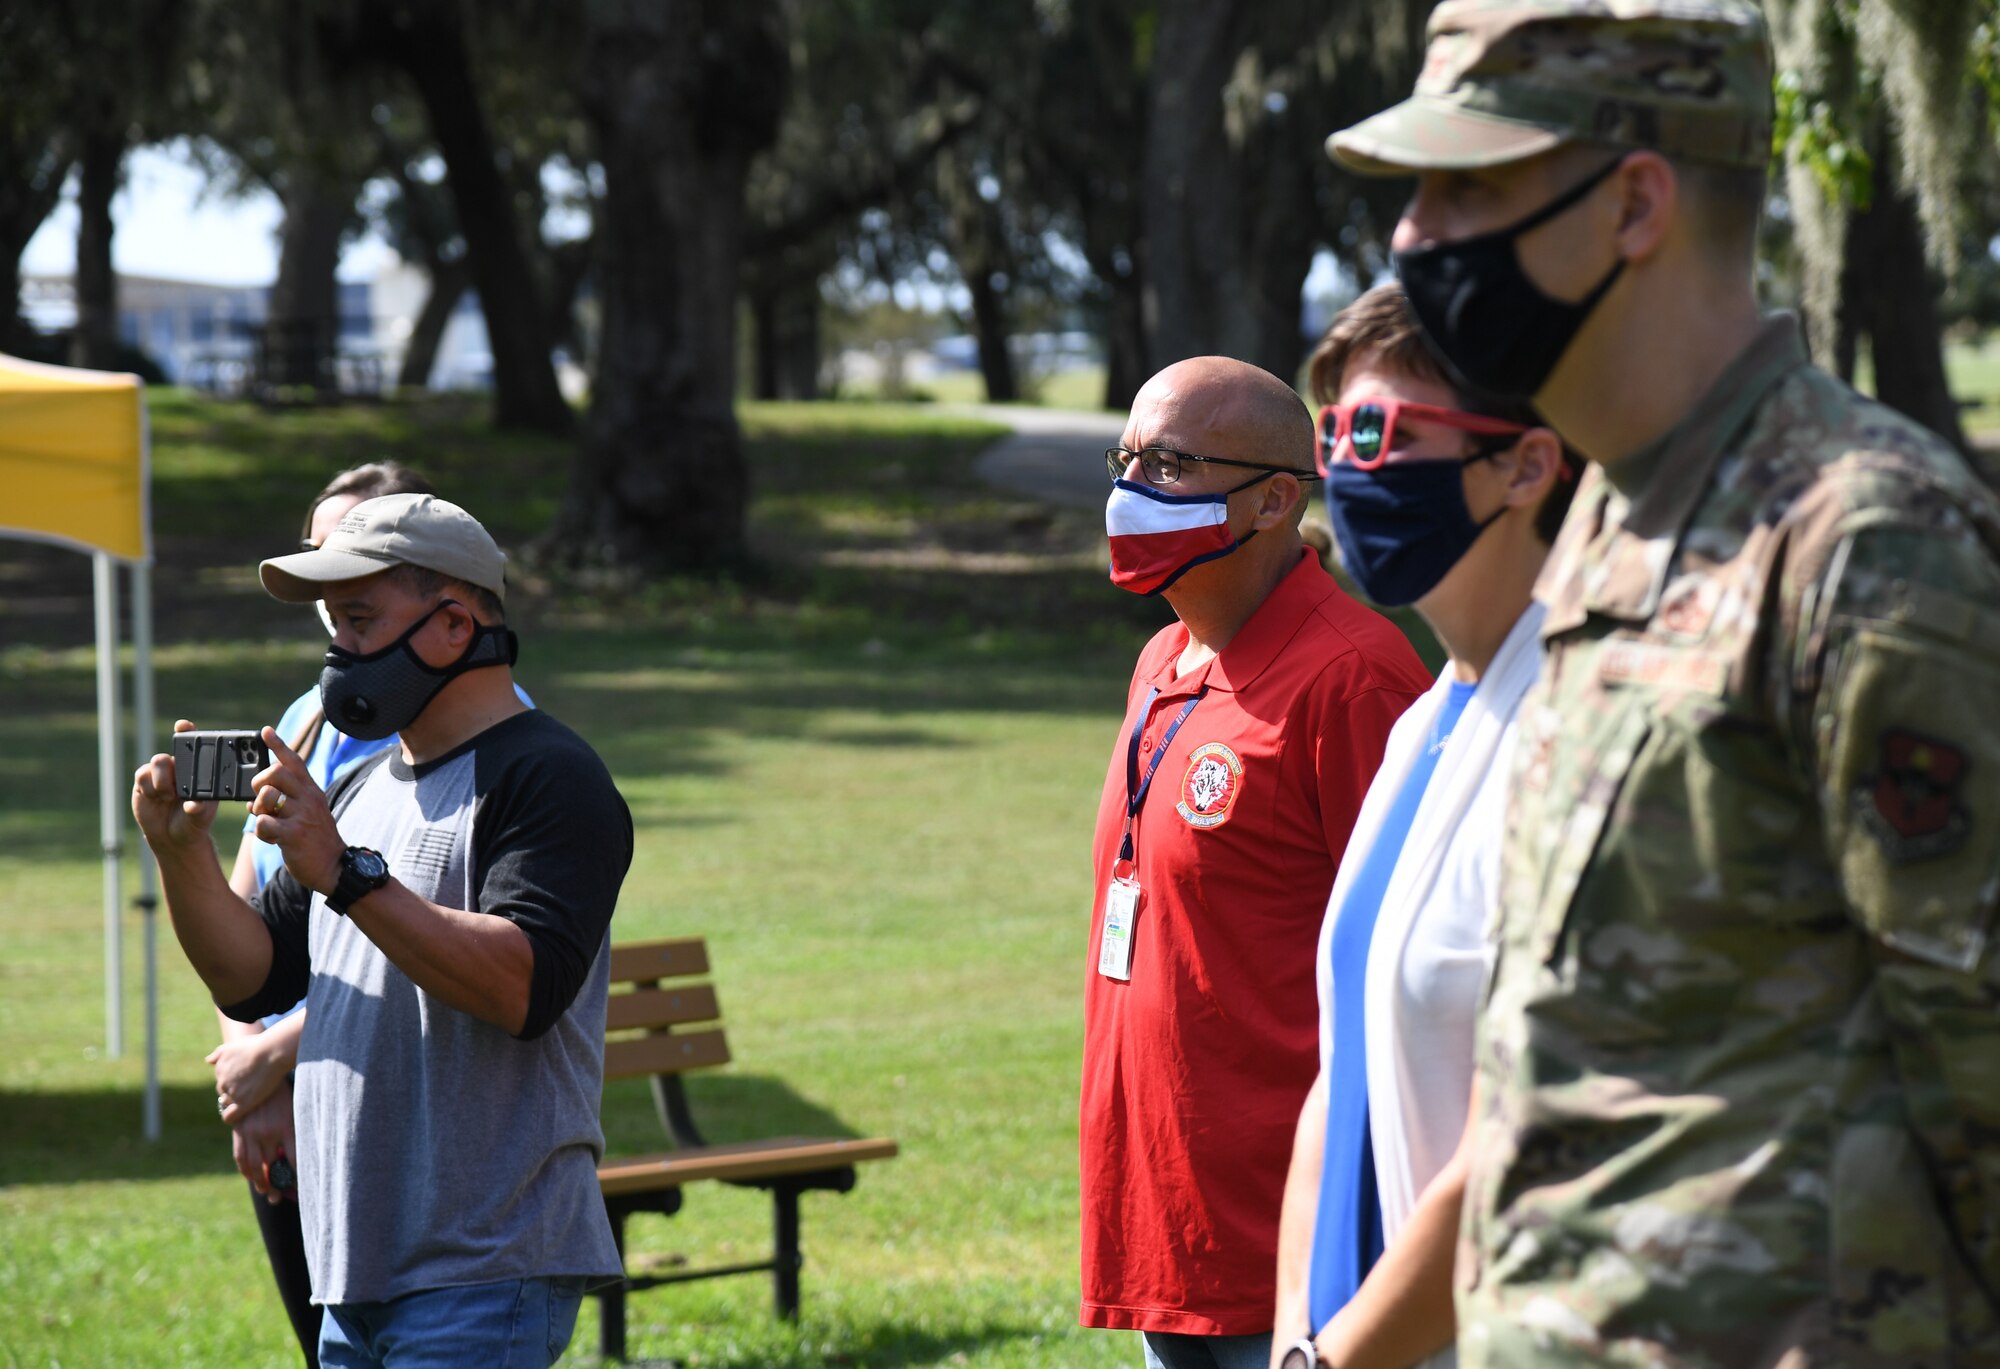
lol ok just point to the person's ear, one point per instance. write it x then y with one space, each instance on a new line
1279 503
1531 468
1648 200
459 623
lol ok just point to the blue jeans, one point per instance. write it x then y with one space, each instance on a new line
1171 1350
516 1324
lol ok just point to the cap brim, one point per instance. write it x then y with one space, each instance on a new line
303 576
1424 135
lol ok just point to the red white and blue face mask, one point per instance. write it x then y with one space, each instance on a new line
1157 538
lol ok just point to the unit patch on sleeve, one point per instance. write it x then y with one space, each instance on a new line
1910 804
1208 790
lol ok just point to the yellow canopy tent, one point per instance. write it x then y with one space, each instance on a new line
74 461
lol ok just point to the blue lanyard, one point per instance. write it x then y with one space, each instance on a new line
1136 789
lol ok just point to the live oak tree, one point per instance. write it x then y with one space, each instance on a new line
680 95
84 79
870 108
1886 131
431 43
1183 139
38 152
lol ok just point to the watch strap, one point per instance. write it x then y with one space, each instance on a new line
352 886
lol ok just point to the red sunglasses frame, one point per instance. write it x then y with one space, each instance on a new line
1342 417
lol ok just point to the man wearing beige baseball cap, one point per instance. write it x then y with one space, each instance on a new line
1734 1096
444 911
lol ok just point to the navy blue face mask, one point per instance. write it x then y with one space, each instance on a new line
1402 526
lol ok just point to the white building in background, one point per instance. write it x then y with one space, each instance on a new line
464 356
203 334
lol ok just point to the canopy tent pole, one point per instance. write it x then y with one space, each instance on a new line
143 735
110 827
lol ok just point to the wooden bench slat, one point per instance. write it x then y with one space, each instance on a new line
671 958
665 1054
741 1160
661 1007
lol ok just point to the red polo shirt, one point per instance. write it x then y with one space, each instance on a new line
1195 1070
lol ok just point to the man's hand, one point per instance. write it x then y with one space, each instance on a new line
262 1134
292 815
169 824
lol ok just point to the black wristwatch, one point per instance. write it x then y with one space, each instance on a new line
1300 1354
362 872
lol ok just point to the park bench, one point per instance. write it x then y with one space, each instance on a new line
661 1027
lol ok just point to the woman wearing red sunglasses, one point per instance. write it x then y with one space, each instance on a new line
1449 504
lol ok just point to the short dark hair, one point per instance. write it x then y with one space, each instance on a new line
423 582
1726 204
370 481
1381 327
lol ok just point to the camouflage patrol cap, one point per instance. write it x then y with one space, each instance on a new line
1506 79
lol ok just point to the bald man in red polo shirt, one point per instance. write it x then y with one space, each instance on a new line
1252 728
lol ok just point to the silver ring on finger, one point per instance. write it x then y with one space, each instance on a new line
278 803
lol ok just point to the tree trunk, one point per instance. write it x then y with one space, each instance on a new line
1887 291
568 265
430 46
449 280
1124 344
42 160
95 342
302 323
784 317
681 94
977 234
989 318
1231 219
1189 227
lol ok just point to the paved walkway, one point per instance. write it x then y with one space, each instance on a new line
1054 455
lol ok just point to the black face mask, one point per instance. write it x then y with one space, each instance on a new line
1499 333
378 695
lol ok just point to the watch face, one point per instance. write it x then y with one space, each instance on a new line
369 864
1298 1357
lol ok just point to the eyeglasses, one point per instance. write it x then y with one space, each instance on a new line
1369 428
1162 465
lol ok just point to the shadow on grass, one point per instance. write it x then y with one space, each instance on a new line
83 1136
91 1136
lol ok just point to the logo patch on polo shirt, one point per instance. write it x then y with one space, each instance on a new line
1208 790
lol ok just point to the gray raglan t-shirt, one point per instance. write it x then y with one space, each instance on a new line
435 1149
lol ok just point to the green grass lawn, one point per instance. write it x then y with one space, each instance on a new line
868 783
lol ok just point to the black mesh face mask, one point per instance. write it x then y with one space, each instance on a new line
378 695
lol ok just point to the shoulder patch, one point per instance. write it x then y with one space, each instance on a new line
1910 804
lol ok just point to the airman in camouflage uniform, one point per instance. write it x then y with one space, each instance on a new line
1738 1093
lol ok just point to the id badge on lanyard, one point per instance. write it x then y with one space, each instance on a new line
1121 896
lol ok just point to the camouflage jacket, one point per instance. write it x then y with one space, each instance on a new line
1738 1090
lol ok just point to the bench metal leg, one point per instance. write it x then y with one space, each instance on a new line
611 1301
787 1259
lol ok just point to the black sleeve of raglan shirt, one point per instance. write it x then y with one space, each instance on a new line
551 843
286 907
